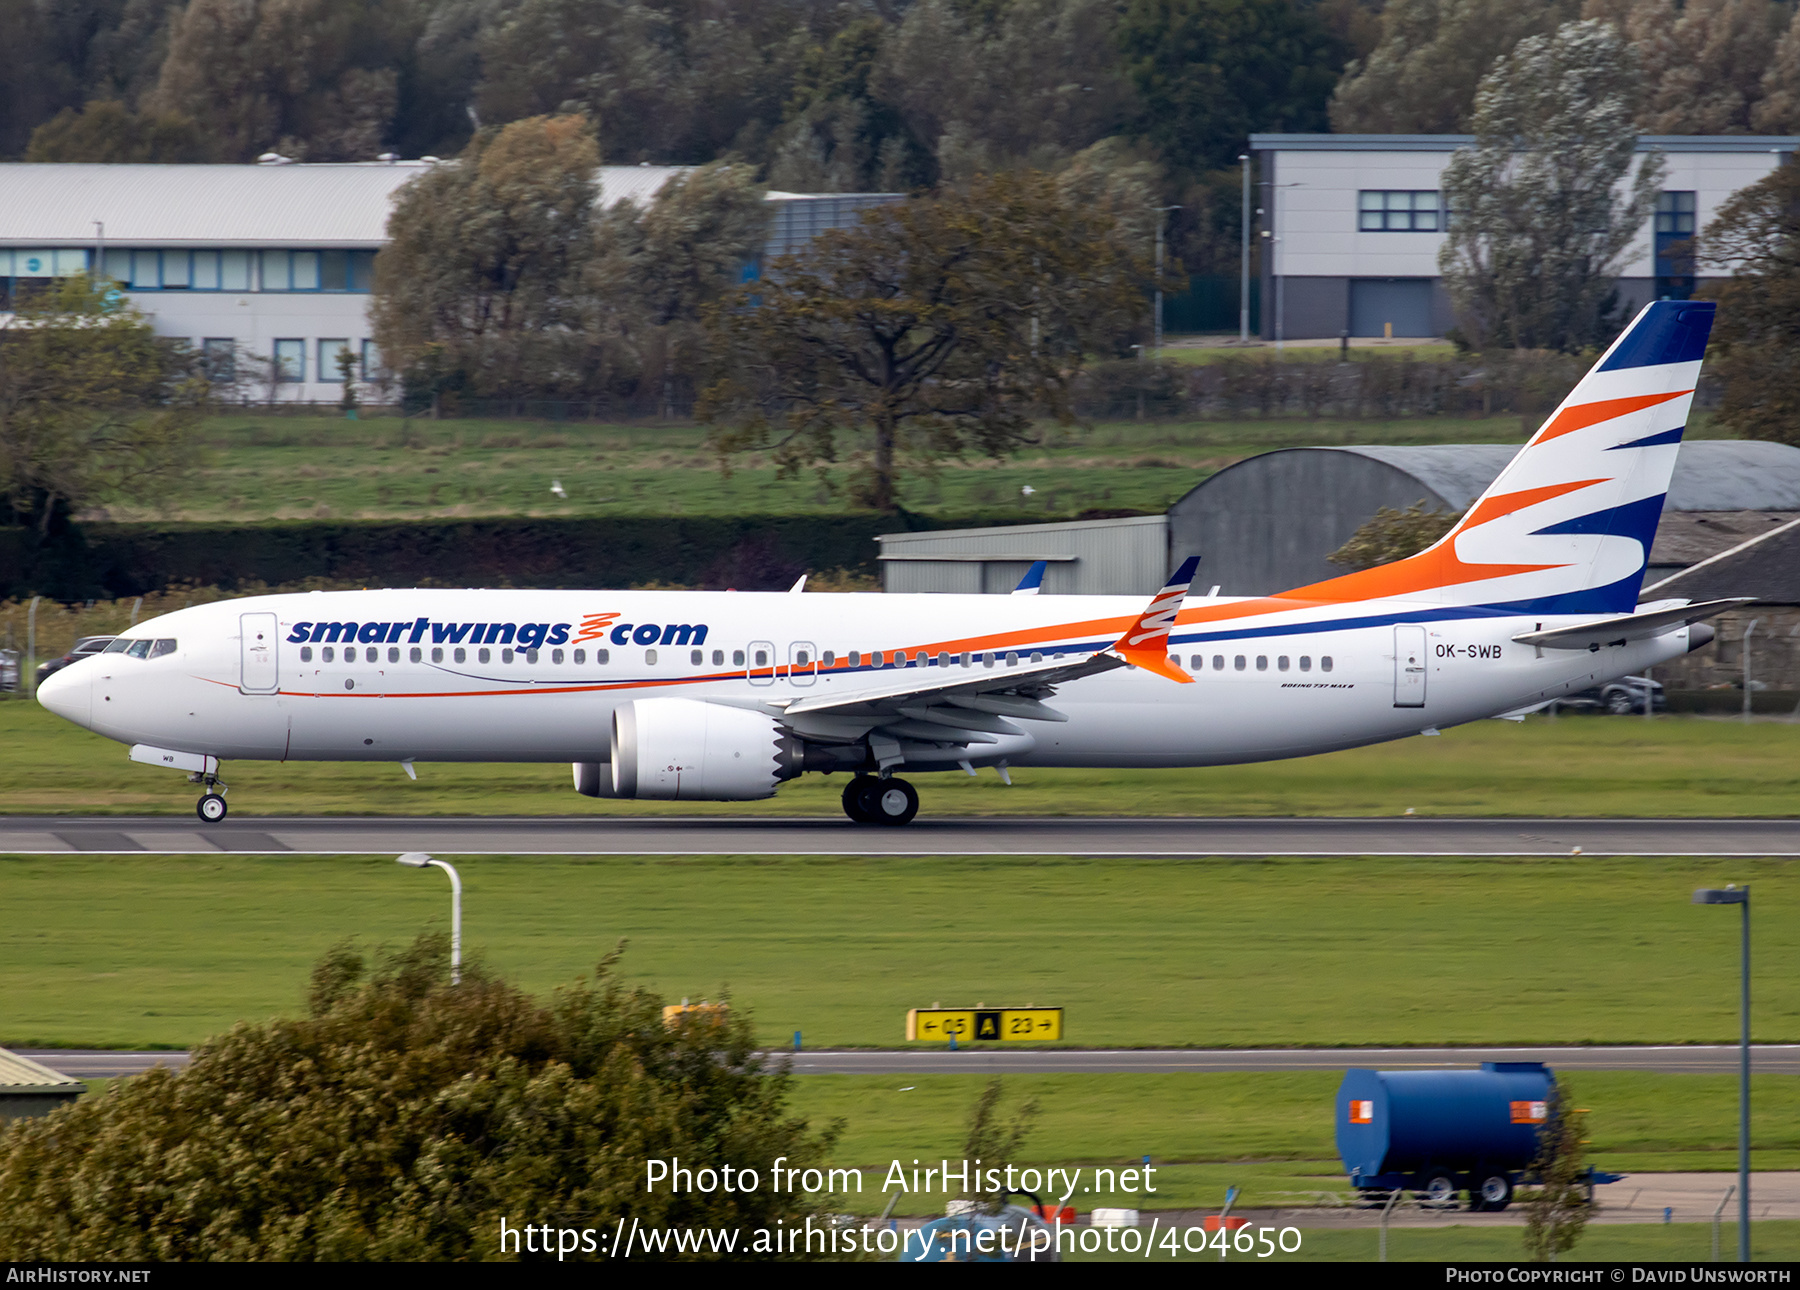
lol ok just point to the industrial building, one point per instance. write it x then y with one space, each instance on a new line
28 1088
272 260
1352 224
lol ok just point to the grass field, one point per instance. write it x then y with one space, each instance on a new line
256 466
1572 766
137 950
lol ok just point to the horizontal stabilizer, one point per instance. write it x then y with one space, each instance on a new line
1629 627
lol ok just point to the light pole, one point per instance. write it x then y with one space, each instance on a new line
1161 211
1732 894
1244 266
419 860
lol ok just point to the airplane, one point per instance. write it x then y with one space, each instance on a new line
723 696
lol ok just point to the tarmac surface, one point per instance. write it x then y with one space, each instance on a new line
720 835
1765 1059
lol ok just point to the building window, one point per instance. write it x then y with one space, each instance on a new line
290 361
274 271
362 271
234 270
175 271
1674 245
206 270
218 359
146 275
1382 211
329 371
304 266
371 361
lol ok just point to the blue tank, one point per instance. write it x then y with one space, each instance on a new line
1396 1127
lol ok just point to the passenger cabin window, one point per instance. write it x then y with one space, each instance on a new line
531 656
1218 662
1281 664
483 656
718 658
1325 663
1306 662
437 654
650 657
1238 662
306 653
461 656
697 657
415 654
506 656
1262 662
762 658
328 654
556 656
394 654
737 658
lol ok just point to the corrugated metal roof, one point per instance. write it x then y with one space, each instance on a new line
22 1075
1710 474
296 205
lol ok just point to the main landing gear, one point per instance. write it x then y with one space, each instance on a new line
869 800
211 807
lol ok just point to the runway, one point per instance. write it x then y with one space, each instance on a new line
1766 1059
764 836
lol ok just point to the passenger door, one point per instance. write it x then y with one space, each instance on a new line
260 670
759 665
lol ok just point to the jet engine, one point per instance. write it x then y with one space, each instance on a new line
593 778
687 750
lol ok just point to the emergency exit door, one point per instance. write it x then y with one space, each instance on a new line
1409 667
259 674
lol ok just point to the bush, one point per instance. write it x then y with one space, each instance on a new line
402 1119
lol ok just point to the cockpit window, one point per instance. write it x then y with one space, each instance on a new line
139 649
162 647
119 646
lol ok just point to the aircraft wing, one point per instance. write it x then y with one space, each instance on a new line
973 705
1629 627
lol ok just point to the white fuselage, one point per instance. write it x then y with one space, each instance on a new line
416 685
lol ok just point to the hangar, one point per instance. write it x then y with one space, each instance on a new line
274 259
1269 522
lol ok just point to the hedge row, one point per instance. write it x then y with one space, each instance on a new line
748 552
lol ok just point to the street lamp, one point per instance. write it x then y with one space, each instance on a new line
1732 894
1244 263
419 860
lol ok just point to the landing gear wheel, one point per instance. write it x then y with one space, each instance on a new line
1439 1189
211 808
854 793
1494 1194
891 801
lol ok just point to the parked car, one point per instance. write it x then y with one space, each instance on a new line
9 670
1621 697
85 646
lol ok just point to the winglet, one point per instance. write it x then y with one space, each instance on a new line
1033 579
1146 643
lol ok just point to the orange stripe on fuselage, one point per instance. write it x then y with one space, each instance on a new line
1583 415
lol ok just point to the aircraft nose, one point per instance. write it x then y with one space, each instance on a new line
69 694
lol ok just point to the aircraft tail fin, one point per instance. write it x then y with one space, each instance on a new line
1566 528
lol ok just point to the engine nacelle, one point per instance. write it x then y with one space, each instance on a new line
686 750
593 778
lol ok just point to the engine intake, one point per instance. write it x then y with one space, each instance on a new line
687 750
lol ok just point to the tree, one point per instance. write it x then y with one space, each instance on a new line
94 406
1555 1217
405 1118
1208 72
1034 85
311 79
1421 77
939 326
107 131
1755 350
1393 535
1538 230
485 258
1703 62
994 1144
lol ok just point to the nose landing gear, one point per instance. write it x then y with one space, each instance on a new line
211 806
